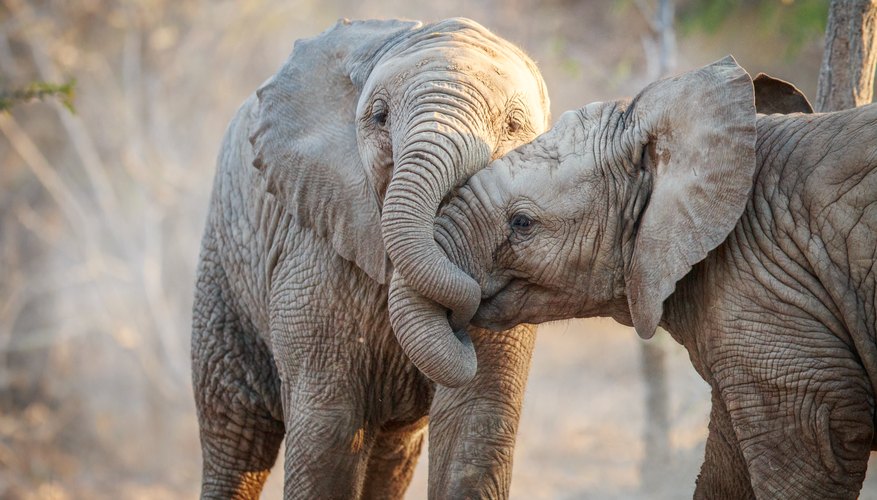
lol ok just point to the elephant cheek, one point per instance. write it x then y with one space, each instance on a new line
377 156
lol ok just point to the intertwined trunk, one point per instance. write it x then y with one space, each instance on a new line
438 151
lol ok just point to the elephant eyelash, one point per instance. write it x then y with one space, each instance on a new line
380 118
516 119
513 126
380 112
521 225
516 124
521 222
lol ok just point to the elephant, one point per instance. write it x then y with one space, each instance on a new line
749 237
327 184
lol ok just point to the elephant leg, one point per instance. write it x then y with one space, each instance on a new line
723 473
473 428
327 444
237 398
328 440
392 461
801 406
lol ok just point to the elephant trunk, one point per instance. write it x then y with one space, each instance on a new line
427 170
422 329
435 155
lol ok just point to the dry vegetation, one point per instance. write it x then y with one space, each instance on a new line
101 212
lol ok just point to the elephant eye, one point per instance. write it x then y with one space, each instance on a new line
515 120
521 222
380 112
513 125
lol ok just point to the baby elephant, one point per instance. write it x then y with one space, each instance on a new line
328 181
751 238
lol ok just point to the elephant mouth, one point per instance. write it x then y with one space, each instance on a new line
519 301
497 310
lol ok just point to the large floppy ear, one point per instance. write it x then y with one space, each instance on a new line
773 95
304 140
698 142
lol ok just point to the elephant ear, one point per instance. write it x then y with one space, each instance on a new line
773 95
700 152
304 140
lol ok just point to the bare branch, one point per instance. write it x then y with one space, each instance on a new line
43 171
76 130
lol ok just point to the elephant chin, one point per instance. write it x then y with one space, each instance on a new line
425 334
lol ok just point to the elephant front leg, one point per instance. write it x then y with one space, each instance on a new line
802 409
327 440
392 461
236 396
328 437
473 428
723 473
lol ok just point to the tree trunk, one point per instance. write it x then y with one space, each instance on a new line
659 42
659 46
846 78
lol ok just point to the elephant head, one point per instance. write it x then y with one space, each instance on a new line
605 212
368 127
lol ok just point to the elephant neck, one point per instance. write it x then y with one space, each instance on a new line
684 308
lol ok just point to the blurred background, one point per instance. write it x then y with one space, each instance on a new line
103 193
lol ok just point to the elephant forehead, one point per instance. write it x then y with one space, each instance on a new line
543 181
498 88
470 36
462 58
564 151
495 69
556 169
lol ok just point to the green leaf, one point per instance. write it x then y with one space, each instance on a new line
64 92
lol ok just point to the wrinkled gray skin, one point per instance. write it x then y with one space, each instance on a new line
291 334
751 239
